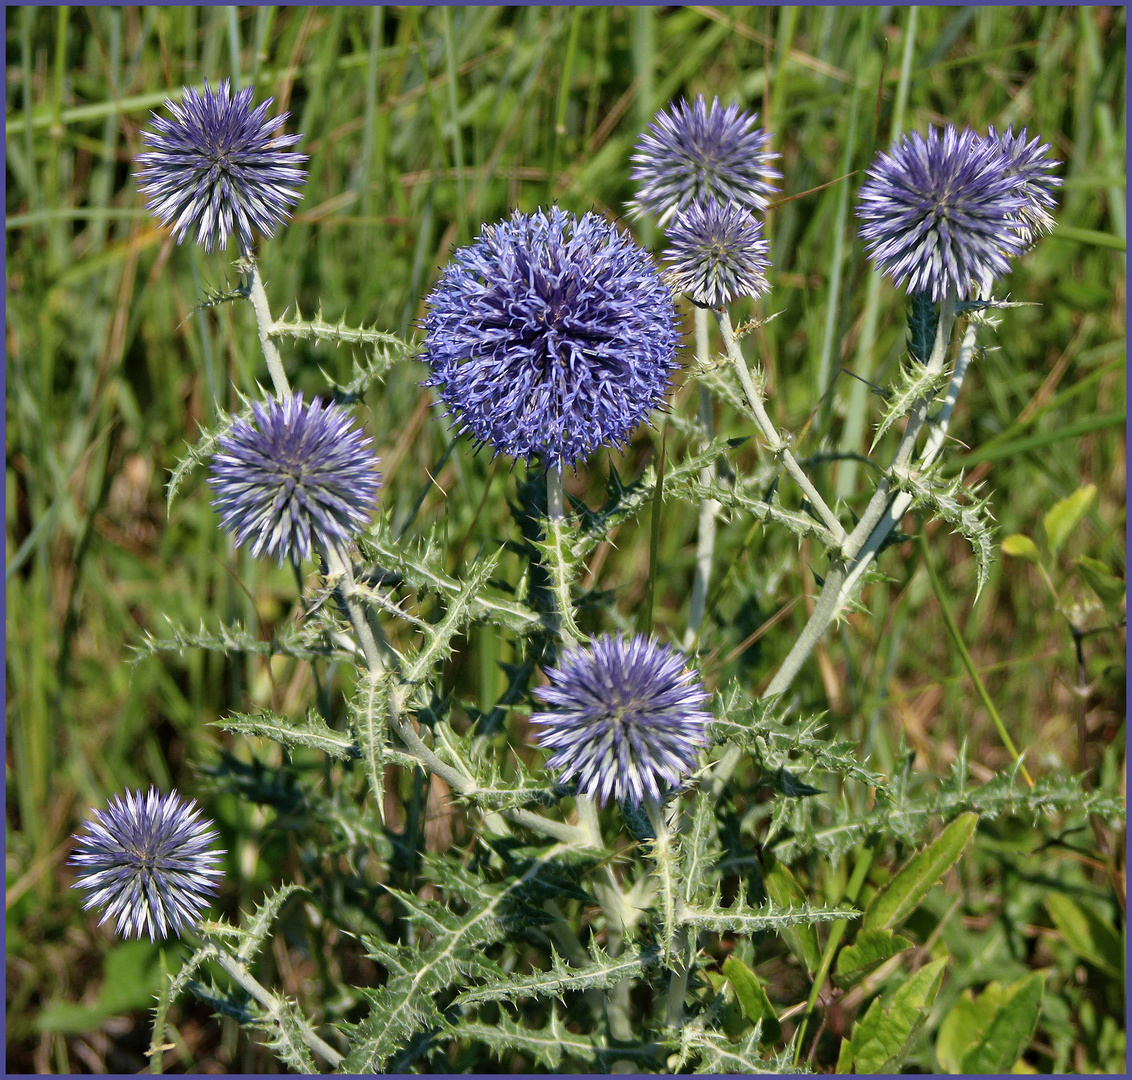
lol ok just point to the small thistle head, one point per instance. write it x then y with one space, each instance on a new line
149 860
627 719
943 212
295 477
1029 164
717 252
550 336
216 168
692 154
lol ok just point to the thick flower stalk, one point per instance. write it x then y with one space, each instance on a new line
149 860
691 153
717 252
295 478
551 336
216 168
950 210
627 719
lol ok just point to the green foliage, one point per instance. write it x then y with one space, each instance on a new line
987 1034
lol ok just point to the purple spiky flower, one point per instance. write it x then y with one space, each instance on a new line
717 252
943 212
692 154
1029 164
217 168
550 336
149 860
628 718
294 477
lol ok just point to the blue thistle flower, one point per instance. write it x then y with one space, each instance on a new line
149 860
1028 164
717 252
299 476
689 154
628 718
550 335
217 168
943 212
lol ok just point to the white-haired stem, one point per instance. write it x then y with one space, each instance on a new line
559 577
770 432
258 296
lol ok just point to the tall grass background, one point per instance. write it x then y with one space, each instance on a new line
421 124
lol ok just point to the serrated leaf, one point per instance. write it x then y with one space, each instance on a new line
718 1055
259 922
1088 936
752 997
369 720
313 733
881 1038
1101 580
916 381
871 949
1021 547
1009 1032
1065 515
743 919
785 892
900 897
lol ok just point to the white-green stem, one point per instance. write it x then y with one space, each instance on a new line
264 323
271 1004
709 508
559 577
778 445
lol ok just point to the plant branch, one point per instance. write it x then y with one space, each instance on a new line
264 323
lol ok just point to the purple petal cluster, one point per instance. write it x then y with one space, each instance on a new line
1028 163
550 336
717 252
149 861
295 477
627 721
692 154
950 210
217 168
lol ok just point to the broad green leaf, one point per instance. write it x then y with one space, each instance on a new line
1088 936
880 1039
1063 517
1010 1030
900 896
130 983
963 1026
1101 580
752 997
802 939
1020 547
871 949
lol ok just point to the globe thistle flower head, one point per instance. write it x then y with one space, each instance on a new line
149 861
627 719
294 477
717 252
550 336
215 167
1029 164
692 154
942 212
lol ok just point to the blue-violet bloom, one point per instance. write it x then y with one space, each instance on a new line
217 168
717 252
149 860
628 718
943 212
550 336
295 477
1028 163
692 154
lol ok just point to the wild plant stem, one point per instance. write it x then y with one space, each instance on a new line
778 445
264 322
709 508
559 578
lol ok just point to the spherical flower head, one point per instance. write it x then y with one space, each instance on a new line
692 154
942 213
550 336
149 861
215 167
717 252
293 477
1028 164
628 718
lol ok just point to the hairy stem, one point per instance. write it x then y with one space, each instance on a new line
777 444
559 578
258 296
709 508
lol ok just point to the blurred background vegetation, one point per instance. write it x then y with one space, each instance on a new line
421 124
